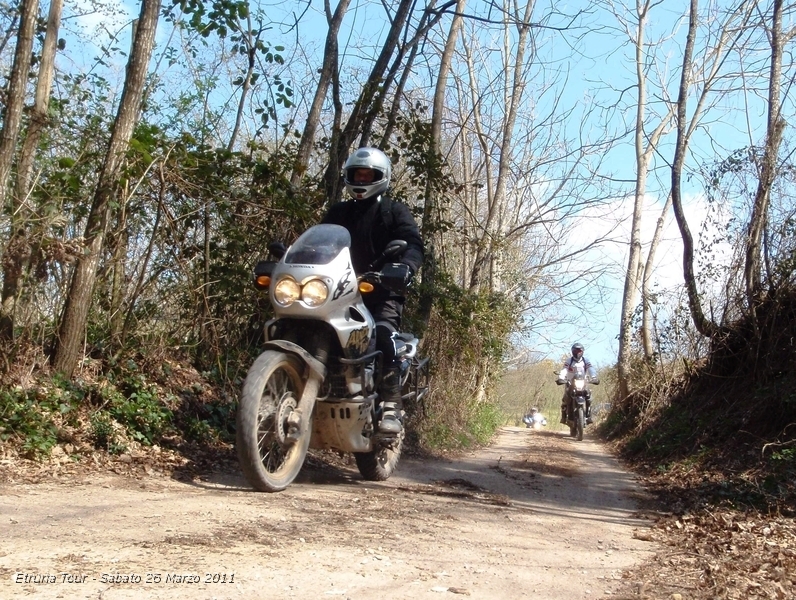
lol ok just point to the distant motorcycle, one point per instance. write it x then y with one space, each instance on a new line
534 420
578 401
316 383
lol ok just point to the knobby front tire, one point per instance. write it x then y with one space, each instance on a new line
272 388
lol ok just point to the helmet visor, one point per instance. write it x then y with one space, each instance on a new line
363 175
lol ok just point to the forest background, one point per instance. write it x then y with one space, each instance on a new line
145 164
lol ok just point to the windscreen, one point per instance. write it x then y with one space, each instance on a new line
319 245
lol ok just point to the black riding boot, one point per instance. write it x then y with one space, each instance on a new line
564 414
391 403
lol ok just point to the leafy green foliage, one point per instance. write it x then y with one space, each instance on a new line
230 20
136 405
467 338
104 435
429 172
33 417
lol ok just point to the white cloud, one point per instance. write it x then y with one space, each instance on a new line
597 325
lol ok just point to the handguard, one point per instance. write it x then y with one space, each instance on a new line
396 277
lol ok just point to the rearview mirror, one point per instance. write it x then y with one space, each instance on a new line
277 249
394 248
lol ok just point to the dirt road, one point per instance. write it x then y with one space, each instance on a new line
536 515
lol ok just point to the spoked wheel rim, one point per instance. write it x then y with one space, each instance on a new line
278 400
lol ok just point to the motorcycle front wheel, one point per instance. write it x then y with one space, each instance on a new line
379 464
269 459
580 423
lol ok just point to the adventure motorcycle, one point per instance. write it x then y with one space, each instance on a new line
315 384
578 403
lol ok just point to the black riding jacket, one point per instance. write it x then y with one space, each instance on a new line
365 221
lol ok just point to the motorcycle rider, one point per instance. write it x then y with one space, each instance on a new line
567 374
374 220
533 417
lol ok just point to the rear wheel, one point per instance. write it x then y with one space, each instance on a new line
268 457
379 464
580 423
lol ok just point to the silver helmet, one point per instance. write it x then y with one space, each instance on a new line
367 158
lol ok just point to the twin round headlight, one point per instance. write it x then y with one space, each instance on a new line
313 293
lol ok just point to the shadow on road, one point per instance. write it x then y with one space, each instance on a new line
546 472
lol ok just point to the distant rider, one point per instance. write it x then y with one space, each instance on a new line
534 417
374 220
567 374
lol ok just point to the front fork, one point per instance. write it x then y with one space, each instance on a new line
299 420
572 406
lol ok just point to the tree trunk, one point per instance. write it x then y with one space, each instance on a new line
41 104
431 15
18 249
251 51
15 252
329 68
637 275
484 248
703 325
68 346
646 320
15 101
373 89
430 204
118 245
768 169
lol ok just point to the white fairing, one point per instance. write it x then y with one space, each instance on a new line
322 252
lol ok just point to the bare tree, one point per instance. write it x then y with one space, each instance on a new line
68 349
12 118
707 73
645 145
373 92
703 324
328 72
775 126
17 250
432 192
513 97
649 266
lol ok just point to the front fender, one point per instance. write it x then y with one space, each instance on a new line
313 363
